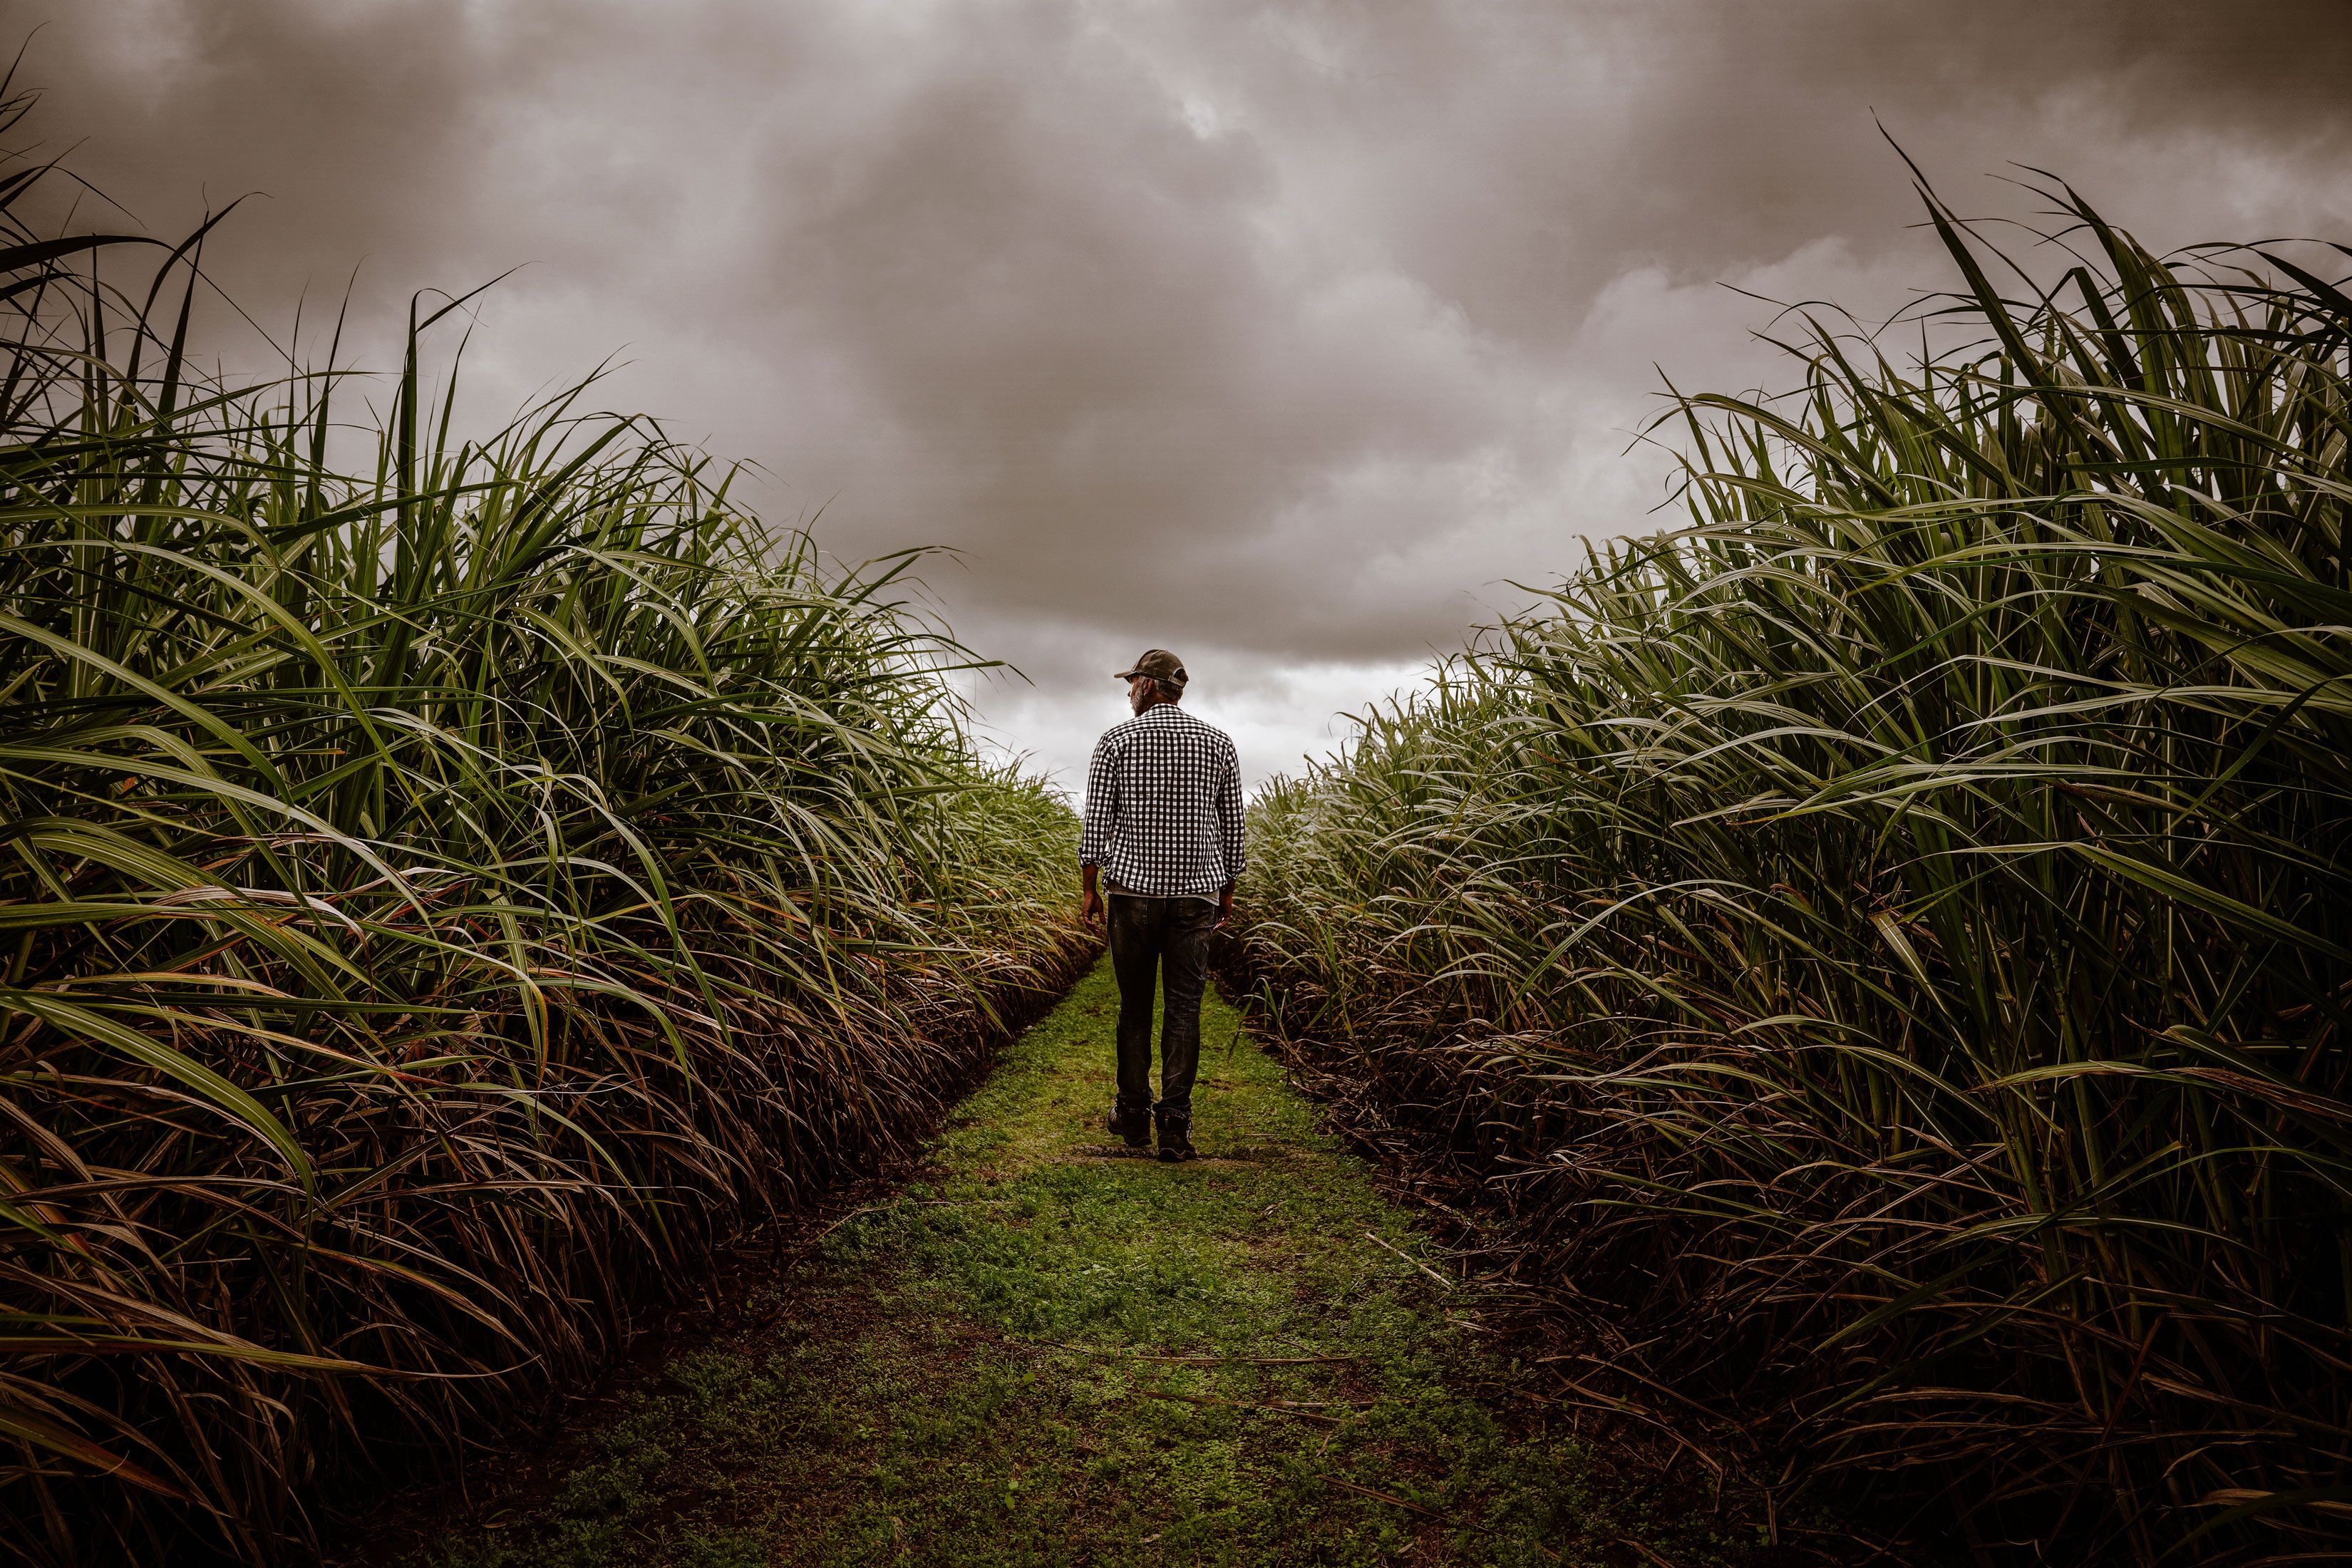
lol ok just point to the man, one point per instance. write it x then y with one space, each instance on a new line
1164 843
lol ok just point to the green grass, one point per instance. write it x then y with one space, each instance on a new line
963 1377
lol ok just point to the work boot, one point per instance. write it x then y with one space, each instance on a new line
1176 1136
1132 1122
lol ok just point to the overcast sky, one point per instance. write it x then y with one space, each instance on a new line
1286 336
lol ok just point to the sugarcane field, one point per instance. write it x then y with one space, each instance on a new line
1733 950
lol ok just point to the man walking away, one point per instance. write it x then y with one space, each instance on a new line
1163 842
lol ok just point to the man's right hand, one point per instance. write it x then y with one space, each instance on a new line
1091 909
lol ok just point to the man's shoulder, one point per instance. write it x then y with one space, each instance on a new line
1219 736
1200 729
1117 732
1163 718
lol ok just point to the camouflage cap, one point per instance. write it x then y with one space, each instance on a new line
1160 665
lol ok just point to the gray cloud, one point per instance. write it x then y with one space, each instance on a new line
1281 333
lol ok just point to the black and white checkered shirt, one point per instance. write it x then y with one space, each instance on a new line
1164 806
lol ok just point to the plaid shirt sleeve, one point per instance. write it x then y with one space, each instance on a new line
1229 816
1102 805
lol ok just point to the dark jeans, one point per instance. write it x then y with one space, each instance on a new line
1164 940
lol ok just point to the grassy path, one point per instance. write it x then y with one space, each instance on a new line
1052 1352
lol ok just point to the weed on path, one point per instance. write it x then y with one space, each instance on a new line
1050 1351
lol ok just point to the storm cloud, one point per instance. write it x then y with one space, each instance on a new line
1285 335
